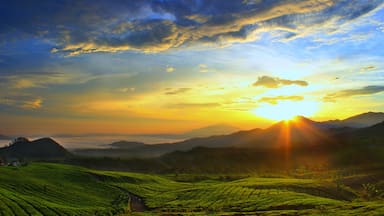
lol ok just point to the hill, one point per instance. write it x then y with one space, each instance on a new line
299 132
284 145
126 144
40 149
3 137
211 130
155 150
55 189
296 133
358 121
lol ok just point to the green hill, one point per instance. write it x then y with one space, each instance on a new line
54 189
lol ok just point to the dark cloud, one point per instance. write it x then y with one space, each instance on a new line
368 90
176 91
275 82
275 100
87 26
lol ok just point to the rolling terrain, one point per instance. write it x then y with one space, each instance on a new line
300 132
293 167
54 189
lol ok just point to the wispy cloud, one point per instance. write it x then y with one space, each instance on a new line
275 100
367 68
23 102
33 104
367 90
169 69
23 80
126 89
275 82
171 91
203 68
154 26
193 105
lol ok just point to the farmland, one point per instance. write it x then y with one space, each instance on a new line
55 189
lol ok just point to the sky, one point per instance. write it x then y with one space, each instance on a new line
167 66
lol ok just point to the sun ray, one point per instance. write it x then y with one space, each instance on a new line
286 110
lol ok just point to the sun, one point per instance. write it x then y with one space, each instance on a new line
287 110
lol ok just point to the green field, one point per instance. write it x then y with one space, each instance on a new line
54 189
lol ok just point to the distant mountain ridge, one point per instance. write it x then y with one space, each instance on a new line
211 130
300 132
4 137
297 133
126 144
358 121
343 148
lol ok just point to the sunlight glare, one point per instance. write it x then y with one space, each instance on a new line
286 110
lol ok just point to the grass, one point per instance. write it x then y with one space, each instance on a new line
55 189
51 189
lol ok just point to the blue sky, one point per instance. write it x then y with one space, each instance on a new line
169 66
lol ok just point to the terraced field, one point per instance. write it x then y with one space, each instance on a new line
50 189
54 189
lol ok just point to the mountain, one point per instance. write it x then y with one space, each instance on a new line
310 146
300 132
370 136
3 137
41 149
358 121
155 150
296 133
211 130
126 144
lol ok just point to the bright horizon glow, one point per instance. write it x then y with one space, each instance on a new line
287 110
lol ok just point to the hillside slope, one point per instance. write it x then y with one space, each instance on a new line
42 149
358 121
54 190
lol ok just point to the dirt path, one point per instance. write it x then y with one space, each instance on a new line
136 203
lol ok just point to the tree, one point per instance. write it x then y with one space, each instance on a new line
18 139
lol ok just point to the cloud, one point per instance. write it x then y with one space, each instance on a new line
33 104
171 91
275 82
203 68
24 83
23 102
89 26
193 105
169 69
34 79
275 100
367 68
126 89
367 90
240 104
